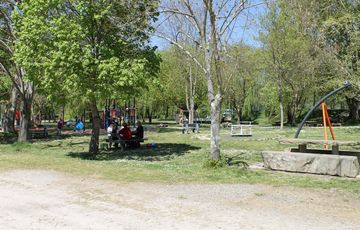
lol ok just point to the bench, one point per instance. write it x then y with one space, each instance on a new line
39 133
302 144
187 127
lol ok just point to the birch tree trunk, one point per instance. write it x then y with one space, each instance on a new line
215 128
191 96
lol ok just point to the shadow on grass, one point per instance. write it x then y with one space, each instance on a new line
170 130
54 137
163 152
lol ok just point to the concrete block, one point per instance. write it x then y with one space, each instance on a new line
336 165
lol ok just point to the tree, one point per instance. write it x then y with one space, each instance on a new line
341 30
243 77
91 49
208 25
22 87
333 27
289 59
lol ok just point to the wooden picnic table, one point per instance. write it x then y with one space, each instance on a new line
302 143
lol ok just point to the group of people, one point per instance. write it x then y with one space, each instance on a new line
125 134
79 126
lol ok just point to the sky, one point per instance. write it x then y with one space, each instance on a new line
246 30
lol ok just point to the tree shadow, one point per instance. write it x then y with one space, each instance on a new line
54 137
162 152
170 130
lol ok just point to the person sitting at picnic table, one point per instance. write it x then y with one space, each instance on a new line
125 132
139 133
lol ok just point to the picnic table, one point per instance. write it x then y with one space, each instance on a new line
126 143
303 144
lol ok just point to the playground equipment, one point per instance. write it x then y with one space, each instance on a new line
113 112
335 162
242 130
346 85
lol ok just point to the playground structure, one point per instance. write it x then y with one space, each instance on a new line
242 130
114 113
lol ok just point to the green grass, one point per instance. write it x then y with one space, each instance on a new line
178 158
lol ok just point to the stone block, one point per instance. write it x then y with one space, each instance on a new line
335 165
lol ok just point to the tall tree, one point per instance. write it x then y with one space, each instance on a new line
243 75
22 86
92 49
334 28
289 59
208 25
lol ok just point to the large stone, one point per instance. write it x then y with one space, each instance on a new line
336 165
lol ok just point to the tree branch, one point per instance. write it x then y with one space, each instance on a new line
184 50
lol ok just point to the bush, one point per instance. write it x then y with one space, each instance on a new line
210 163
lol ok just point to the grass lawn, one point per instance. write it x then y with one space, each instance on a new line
178 158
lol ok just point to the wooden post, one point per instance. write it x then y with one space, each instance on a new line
302 148
335 149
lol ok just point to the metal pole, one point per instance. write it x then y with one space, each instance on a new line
346 85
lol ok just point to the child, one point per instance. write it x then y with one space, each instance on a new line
60 124
109 131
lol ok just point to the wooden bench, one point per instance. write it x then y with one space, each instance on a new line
303 143
39 133
194 127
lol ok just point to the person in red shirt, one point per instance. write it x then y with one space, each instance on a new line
125 132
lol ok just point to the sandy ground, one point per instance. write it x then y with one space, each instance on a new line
51 200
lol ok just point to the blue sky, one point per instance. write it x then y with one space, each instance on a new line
246 30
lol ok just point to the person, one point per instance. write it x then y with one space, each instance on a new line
109 131
60 125
17 118
124 135
139 133
125 132
79 127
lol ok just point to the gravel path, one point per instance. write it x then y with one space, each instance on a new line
51 200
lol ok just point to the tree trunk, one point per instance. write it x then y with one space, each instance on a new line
192 96
239 114
215 110
95 134
291 116
25 118
353 105
281 103
9 118
215 128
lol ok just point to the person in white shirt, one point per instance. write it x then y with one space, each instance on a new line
109 134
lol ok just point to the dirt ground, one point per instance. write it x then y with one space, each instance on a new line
51 200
